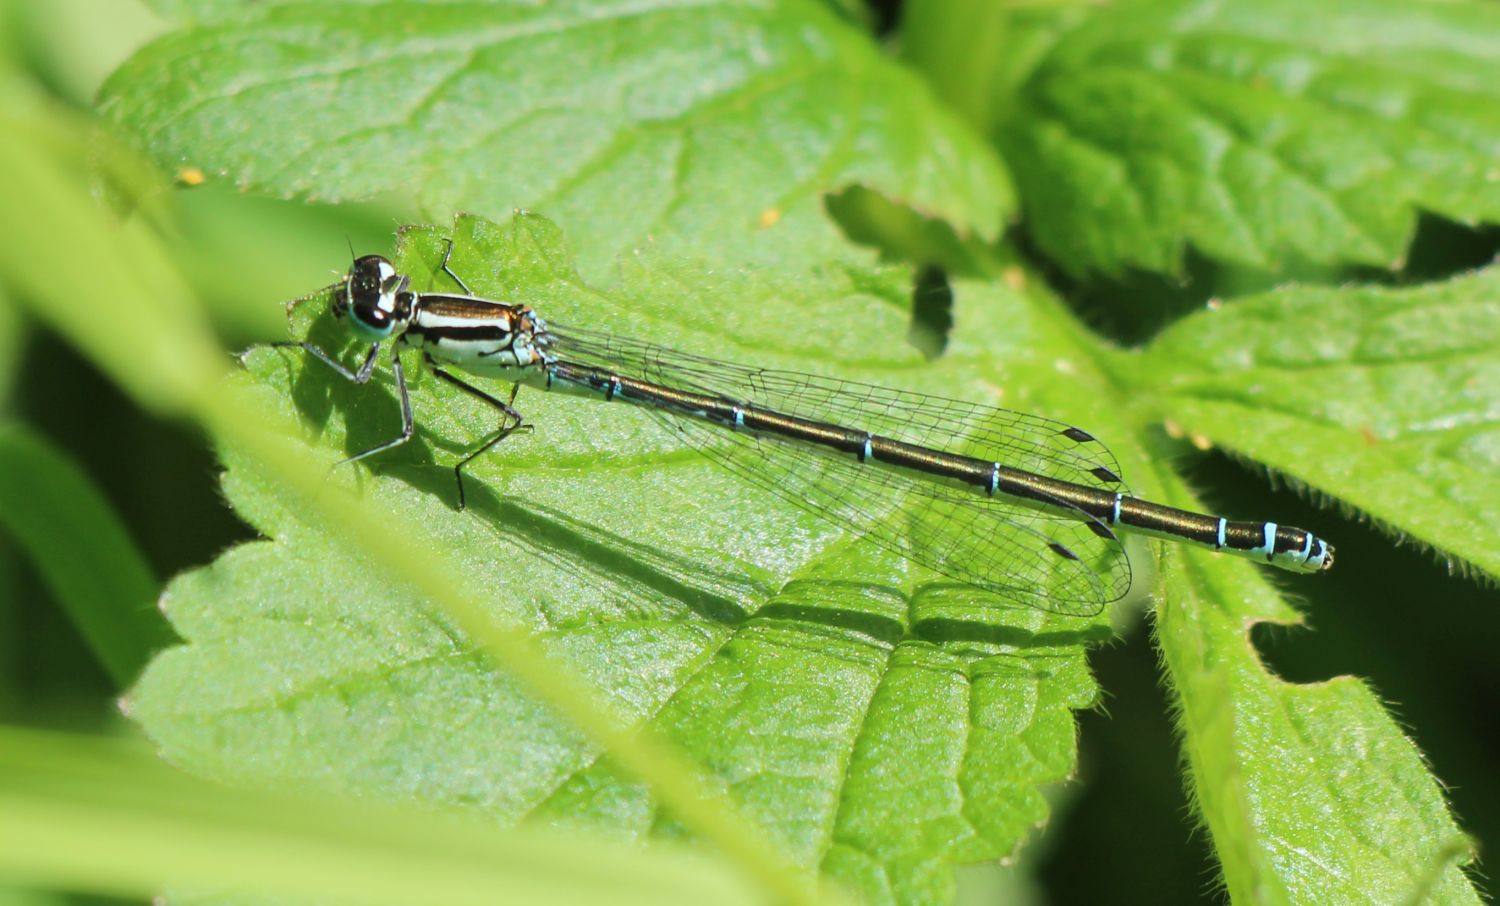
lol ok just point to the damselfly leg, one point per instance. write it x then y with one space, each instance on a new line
506 430
447 254
362 376
407 423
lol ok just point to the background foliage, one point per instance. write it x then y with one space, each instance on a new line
1154 155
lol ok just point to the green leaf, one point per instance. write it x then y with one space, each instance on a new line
1312 793
10 896
712 130
127 311
1262 133
188 10
12 333
104 817
878 723
47 503
1384 399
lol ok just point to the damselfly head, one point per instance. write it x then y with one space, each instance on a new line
375 296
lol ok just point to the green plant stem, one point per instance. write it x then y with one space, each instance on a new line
105 816
956 43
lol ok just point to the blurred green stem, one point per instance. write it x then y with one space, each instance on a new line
107 817
957 45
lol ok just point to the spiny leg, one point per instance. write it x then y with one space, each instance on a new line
362 376
406 419
506 430
502 434
448 253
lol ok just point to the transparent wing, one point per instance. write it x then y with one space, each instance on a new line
1056 559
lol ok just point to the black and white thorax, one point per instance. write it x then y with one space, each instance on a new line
479 336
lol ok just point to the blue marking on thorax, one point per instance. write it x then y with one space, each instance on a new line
1223 524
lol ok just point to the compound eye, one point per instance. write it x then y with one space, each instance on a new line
372 318
372 295
368 276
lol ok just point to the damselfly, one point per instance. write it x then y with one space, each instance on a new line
1016 504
